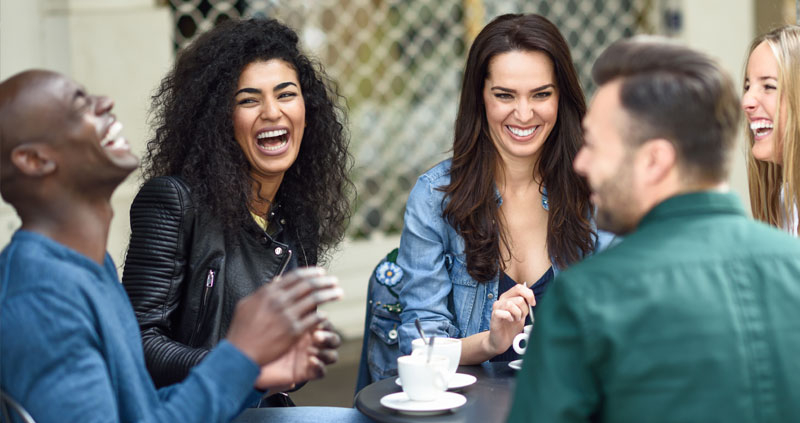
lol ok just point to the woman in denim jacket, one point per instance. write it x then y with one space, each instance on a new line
488 229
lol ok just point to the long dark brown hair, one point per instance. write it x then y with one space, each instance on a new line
471 205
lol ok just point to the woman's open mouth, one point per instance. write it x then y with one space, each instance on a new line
522 134
761 128
273 142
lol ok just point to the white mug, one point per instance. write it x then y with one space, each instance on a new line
448 347
522 337
423 379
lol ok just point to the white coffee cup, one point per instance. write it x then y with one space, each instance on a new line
522 337
423 379
448 347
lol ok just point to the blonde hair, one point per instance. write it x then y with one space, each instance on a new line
767 179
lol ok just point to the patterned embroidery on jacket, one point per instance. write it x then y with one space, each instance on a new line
389 274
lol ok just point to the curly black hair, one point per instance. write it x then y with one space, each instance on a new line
192 112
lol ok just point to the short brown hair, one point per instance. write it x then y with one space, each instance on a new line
673 92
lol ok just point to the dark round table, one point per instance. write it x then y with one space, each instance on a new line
488 399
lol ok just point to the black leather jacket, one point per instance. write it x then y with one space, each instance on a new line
184 274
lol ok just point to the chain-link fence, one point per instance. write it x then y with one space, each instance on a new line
399 65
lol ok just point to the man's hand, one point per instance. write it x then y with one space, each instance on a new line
305 361
269 322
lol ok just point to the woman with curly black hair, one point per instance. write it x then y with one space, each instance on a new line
245 178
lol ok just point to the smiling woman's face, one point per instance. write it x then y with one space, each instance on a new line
521 99
269 117
760 103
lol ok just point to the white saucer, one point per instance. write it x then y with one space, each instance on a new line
399 401
516 364
458 381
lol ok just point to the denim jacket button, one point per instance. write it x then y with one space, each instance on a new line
392 334
278 251
490 296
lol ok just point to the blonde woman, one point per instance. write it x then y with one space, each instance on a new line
771 102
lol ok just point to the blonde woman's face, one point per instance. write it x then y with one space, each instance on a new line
760 103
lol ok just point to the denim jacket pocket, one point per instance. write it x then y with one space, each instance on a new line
383 347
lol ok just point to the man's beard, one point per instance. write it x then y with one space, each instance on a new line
617 212
613 222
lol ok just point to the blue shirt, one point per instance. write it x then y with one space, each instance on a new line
70 348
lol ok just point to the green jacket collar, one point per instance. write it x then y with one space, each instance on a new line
694 204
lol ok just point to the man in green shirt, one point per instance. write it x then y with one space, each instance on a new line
695 316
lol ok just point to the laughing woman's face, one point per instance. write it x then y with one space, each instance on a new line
760 104
269 117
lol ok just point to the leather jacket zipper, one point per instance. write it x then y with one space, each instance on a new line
210 278
209 285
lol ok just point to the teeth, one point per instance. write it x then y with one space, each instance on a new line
113 132
761 127
760 124
274 147
113 140
118 144
521 132
272 134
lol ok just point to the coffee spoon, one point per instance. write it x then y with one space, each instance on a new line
421 332
530 307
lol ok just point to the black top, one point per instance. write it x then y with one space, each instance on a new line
538 288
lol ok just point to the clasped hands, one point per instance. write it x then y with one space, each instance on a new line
279 328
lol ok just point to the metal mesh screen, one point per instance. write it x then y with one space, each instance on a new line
399 63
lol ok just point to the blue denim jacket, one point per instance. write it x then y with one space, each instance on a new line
435 287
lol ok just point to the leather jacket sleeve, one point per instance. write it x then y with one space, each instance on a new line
155 269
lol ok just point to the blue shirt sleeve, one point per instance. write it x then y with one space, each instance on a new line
54 364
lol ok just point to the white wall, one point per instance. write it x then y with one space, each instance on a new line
724 30
119 48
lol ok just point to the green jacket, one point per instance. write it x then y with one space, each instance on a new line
694 317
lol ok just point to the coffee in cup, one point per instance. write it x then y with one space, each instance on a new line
448 347
424 378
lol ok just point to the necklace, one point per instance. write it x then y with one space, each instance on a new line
545 202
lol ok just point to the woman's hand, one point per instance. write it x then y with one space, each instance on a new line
305 361
508 318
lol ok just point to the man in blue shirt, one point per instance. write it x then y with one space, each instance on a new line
69 343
